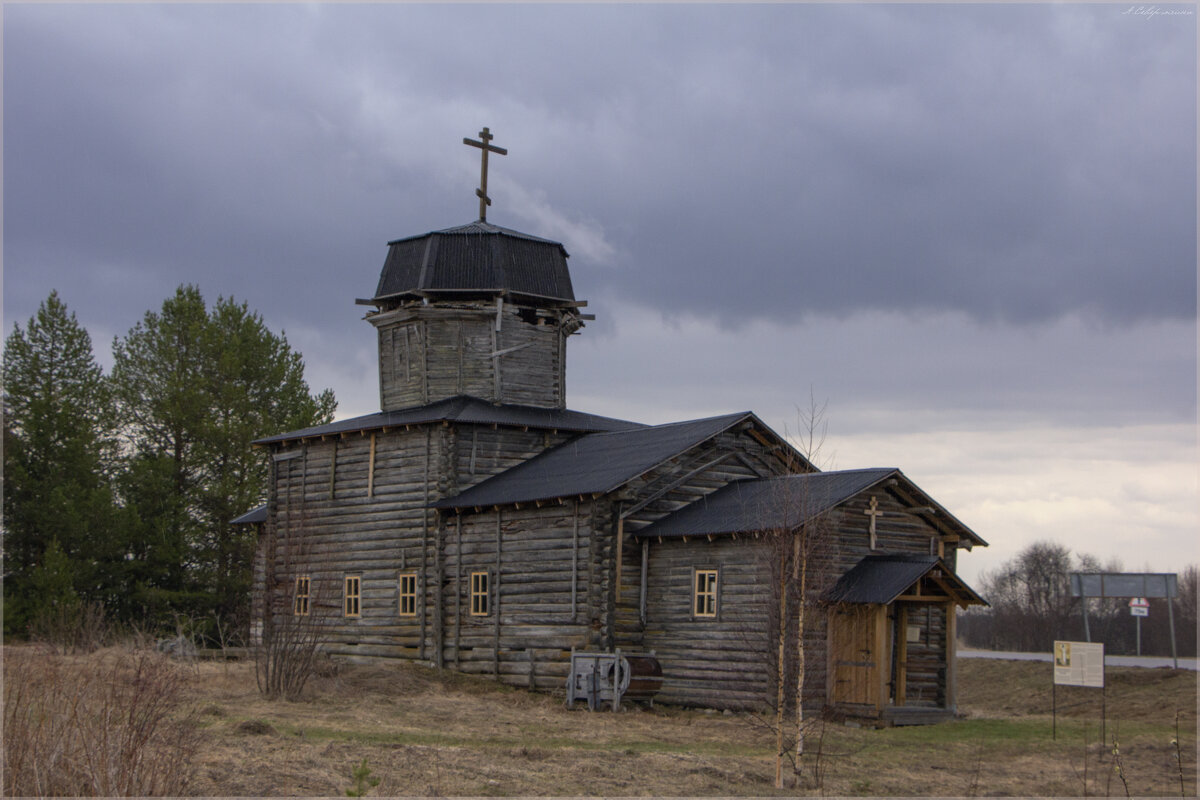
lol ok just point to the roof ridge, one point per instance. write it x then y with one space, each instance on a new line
831 472
677 423
479 228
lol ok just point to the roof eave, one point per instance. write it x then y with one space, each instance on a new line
972 539
432 293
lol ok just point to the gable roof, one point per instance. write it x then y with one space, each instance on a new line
880 579
785 502
463 409
595 463
781 503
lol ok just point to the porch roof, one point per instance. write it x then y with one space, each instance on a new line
881 579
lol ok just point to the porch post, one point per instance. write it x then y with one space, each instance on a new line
883 658
830 676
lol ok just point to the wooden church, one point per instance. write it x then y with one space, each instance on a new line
477 523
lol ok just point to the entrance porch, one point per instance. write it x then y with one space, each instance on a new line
891 640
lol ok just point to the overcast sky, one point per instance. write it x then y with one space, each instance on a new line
968 231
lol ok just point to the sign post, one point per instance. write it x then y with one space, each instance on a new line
1138 585
1139 607
1077 664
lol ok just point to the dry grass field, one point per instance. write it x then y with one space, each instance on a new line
425 733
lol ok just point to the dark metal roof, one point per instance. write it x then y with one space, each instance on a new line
785 502
255 516
595 463
882 578
466 410
477 258
767 504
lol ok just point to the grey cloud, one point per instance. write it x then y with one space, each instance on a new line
1013 163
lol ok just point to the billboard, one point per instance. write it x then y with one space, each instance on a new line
1124 584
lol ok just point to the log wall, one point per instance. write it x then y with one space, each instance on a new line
544 565
925 659
692 475
357 506
561 574
730 662
504 353
720 662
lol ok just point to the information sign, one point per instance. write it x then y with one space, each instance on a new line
1139 607
1079 664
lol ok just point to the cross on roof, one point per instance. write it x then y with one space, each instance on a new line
485 137
873 512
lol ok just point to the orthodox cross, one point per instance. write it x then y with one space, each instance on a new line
873 512
485 137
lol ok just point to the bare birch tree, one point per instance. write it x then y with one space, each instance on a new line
797 552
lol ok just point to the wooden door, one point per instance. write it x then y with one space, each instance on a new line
853 646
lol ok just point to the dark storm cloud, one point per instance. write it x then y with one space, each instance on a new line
976 159
1013 163
969 228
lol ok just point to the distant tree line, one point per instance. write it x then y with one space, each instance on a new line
1032 606
119 489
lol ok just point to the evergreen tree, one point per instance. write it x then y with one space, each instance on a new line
194 388
59 457
257 389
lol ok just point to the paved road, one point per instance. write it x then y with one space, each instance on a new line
1111 661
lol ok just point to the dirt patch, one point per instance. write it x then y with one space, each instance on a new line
254 727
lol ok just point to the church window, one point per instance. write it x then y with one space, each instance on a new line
353 596
480 595
704 595
408 594
303 588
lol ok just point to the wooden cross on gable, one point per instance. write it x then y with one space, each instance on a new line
873 512
485 137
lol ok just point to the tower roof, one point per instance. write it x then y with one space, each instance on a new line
473 260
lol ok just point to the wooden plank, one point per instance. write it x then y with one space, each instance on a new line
457 588
829 672
901 653
425 531
574 559
495 591
371 470
951 656
620 550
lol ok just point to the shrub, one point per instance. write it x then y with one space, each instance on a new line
71 627
113 724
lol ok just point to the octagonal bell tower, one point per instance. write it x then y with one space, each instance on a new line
475 310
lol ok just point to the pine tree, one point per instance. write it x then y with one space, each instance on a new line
59 459
195 387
